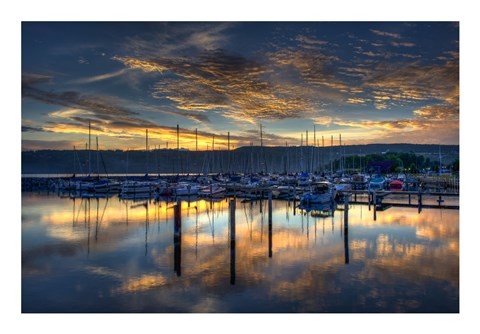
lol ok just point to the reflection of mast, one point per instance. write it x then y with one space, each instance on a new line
196 232
308 227
147 223
96 223
232 241
88 225
270 224
73 214
345 231
177 239
97 226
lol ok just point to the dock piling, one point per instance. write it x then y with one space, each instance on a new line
346 210
368 200
177 239
419 201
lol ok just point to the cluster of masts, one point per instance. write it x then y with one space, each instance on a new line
229 146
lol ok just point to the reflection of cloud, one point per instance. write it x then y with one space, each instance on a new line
144 283
307 270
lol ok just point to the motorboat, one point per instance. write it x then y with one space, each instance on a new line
320 192
396 185
377 183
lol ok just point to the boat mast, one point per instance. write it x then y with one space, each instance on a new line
89 150
331 161
73 159
146 150
98 162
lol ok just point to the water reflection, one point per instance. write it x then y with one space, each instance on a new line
120 255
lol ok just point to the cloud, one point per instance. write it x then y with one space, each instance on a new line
443 112
99 108
415 82
370 53
430 124
404 44
216 80
33 129
309 40
99 77
384 33
174 39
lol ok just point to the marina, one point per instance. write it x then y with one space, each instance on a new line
241 167
241 252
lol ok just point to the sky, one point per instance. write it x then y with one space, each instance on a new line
370 82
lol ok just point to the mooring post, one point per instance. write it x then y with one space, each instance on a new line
368 199
177 238
232 206
345 218
419 201
269 224
374 205
409 199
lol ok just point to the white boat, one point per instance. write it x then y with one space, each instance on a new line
343 185
86 184
185 189
320 192
106 185
212 191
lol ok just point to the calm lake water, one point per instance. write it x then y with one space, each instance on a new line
113 255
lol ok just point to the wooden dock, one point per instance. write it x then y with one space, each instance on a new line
380 199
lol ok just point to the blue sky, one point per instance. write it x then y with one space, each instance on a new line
372 82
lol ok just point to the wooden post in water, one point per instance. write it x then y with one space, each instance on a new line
419 201
232 206
177 238
269 224
345 218
368 199
440 200
374 205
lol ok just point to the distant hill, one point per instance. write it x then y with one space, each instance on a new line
243 159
